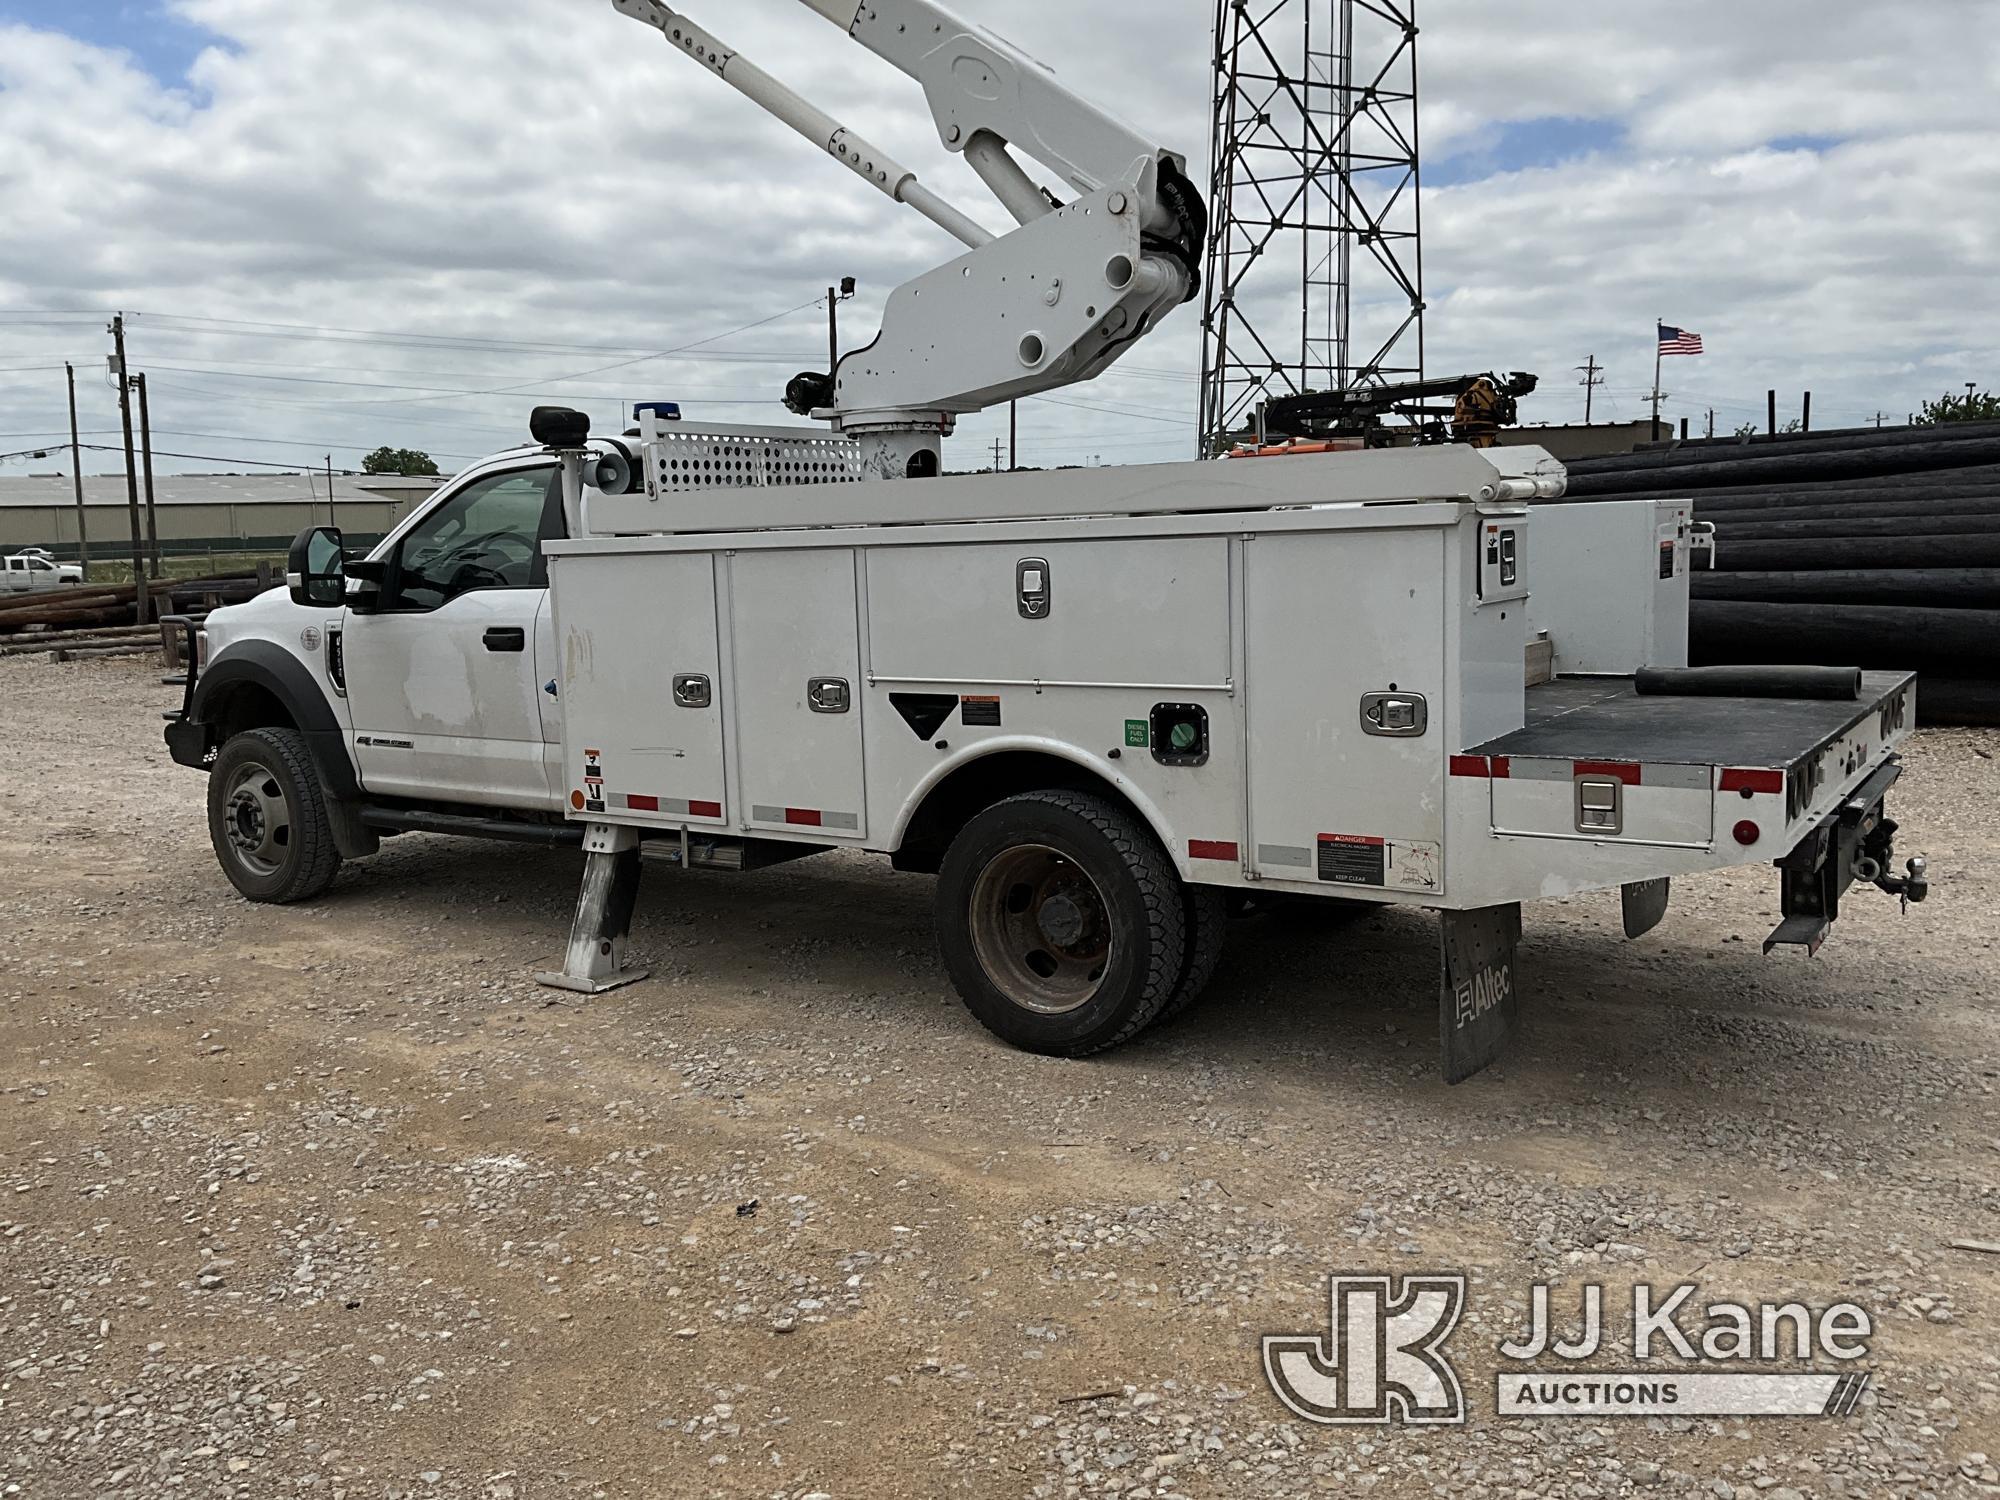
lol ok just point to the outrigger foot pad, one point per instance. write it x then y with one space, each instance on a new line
595 960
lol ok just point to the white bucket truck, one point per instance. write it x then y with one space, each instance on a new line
1105 707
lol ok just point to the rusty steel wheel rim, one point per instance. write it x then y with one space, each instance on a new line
1041 929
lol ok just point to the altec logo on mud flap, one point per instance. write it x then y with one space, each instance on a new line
1483 993
1383 1358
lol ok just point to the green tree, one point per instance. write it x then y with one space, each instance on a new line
1973 406
408 461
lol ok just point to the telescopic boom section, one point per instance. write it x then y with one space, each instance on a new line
1053 302
865 160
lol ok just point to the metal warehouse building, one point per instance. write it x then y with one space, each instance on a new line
201 512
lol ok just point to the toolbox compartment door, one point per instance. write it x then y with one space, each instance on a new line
627 627
798 700
1335 620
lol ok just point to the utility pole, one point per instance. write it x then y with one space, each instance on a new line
1013 436
1805 417
131 466
1878 421
146 449
1711 421
1771 412
996 455
1592 373
76 471
329 493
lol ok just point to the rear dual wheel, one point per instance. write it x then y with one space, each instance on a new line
1065 927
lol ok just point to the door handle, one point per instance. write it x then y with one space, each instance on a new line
506 638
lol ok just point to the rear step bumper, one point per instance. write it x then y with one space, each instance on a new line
1856 841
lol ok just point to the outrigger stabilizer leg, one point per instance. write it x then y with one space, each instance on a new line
595 961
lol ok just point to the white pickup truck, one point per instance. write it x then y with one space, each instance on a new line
1107 709
34 570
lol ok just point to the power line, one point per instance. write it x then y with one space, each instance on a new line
1157 414
206 458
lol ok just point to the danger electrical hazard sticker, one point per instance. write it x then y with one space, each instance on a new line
1353 859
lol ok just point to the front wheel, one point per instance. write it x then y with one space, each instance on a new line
1062 922
267 818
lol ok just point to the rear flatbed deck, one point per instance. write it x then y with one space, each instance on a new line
1605 718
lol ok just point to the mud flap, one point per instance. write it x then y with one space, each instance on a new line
1646 905
1478 1004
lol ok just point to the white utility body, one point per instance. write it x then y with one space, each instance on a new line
1108 708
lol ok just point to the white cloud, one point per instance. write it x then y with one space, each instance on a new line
544 170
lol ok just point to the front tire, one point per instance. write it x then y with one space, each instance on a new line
1062 922
267 818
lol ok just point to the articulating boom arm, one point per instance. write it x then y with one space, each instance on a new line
1053 302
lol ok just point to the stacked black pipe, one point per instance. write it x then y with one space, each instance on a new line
1859 547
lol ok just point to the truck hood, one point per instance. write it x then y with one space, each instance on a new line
271 616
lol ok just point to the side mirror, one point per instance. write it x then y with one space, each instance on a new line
316 570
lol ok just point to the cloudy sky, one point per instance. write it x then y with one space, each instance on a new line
404 221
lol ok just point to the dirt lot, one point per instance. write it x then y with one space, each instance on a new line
333 1201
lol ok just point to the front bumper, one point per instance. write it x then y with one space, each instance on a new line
188 742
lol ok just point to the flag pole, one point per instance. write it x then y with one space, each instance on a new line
1657 356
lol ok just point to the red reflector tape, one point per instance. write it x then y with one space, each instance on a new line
805 817
1212 849
643 804
1753 781
704 809
1469 765
1503 768
1621 770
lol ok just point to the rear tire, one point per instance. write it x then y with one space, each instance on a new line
1062 922
1205 909
267 818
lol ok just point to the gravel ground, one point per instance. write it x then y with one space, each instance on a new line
332 1201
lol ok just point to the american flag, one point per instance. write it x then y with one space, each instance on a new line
1679 341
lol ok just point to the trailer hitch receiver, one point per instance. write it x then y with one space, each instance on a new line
1856 842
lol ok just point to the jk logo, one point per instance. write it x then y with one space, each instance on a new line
1381 1360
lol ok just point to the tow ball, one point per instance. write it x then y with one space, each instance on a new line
1877 851
1913 885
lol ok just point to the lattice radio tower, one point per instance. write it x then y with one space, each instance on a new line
1315 265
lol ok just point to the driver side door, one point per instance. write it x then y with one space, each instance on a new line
442 694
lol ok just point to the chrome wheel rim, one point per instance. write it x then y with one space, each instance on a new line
1041 929
257 819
